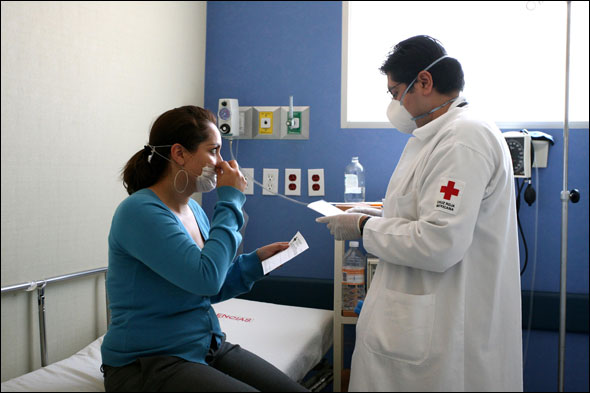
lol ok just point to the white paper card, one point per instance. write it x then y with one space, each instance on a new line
324 208
296 246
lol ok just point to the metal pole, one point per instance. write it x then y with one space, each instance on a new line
565 197
29 286
42 334
40 285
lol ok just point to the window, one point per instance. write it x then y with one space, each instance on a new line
513 56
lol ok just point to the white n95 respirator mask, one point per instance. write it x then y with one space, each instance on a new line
207 180
400 118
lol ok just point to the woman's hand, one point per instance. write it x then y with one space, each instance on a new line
271 249
228 174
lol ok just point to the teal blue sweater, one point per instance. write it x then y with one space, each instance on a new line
161 285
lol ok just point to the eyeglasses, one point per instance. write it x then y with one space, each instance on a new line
389 90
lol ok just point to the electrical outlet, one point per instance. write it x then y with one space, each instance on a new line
292 181
315 182
270 181
249 174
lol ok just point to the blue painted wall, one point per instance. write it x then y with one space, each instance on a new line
263 52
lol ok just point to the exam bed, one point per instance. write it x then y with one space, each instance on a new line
293 339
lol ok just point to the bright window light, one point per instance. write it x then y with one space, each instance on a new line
513 56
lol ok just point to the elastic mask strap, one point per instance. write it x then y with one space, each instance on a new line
152 149
434 110
414 80
436 61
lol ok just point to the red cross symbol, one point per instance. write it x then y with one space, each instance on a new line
449 190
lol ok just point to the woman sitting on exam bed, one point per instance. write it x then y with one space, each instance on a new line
168 264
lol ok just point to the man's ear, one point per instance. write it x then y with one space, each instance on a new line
424 80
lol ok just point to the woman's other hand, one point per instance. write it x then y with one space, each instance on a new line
228 174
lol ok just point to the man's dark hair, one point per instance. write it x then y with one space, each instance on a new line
413 55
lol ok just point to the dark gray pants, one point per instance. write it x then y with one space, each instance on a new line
230 369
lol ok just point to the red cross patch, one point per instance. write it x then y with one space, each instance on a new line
449 194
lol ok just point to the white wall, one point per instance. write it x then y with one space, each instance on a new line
82 83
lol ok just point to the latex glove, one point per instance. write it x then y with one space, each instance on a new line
371 211
343 226
359 306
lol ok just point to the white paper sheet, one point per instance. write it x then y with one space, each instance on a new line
324 208
296 246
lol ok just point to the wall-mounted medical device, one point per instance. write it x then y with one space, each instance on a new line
228 117
529 149
541 142
262 122
274 122
519 144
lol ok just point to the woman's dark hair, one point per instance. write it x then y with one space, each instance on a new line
413 55
186 125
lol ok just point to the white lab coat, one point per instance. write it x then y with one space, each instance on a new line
443 312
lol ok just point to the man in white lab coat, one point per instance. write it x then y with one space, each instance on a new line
443 312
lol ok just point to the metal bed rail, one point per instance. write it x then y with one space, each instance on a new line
40 285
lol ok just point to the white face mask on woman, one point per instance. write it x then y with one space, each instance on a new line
399 116
205 182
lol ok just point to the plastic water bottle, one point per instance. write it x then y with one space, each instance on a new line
354 182
353 278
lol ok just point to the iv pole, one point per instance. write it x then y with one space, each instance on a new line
566 196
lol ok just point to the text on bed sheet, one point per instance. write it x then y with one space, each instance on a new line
233 317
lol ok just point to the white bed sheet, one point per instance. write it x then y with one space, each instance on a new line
294 339
77 373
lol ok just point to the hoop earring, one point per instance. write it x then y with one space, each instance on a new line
186 183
